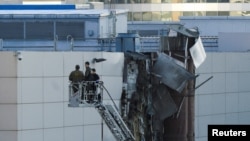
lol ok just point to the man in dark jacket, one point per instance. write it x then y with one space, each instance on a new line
94 76
87 71
75 77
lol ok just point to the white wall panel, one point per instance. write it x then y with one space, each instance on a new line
73 133
66 89
206 120
206 66
32 116
114 87
244 64
53 115
228 101
121 23
113 66
218 62
92 133
91 116
31 90
211 104
232 102
53 134
53 64
31 65
232 84
202 125
30 135
89 56
201 139
8 117
219 83
232 62
73 116
244 99
70 59
53 89
232 118
244 81
8 90
8 135
244 118
206 88
8 63
107 135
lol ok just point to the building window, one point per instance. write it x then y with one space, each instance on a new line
188 1
245 13
73 29
211 13
11 30
40 30
236 13
223 13
176 15
166 16
165 1
137 16
188 13
212 1
130 16
223 1
156 16
199 13
146 16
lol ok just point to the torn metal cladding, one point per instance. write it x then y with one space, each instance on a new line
185 31
172 74
160 104
161 101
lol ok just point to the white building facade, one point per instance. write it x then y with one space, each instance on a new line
34 96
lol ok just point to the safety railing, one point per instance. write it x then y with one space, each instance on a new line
85 93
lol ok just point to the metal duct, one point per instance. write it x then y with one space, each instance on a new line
172 74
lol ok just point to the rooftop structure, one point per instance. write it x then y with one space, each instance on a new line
60 29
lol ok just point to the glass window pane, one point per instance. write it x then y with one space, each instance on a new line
236 1
223 13
211 13
188 1
75 29
155 1
166 16
146 16
236 13
212 1
40 30
11 30
199 1
137 16
156 16
176 15
130 16
188 13
245 13
176 1
165 1
199 13
223 1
